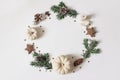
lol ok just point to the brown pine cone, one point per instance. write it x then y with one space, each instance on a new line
47 13
78 62
63 10
40 58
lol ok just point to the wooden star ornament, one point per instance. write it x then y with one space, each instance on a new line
91 31
30 48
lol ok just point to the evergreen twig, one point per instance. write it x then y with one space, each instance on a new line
61 14
72 13
90 48
62 4
55 9
41 60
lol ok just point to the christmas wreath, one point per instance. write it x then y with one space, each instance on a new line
62 64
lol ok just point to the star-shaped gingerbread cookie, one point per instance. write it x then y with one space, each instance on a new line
91 31
30 48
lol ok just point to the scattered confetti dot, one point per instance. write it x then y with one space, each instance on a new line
74 20
73 71
36 47
89 24
50 70
88 61
43 31
24 39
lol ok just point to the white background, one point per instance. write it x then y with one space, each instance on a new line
60 37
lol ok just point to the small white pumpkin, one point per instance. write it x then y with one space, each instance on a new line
85 22
62 65
32 33
84 17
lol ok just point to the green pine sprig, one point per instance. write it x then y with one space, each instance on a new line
72 13
43 62
90 47
62 4
57 9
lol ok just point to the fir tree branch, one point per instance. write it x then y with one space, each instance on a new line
61 4
62 11
35 54
93 44
61 16
90 48
41 60
72 13
85 42
55 9
96 51
86 54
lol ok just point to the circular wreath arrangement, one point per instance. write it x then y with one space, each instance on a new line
62 64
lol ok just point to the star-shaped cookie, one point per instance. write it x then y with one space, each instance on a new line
30 48
91 31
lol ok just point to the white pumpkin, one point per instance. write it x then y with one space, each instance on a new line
62 65
84 17
85 22
32 33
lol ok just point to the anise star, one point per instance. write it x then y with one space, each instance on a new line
37 18
91 31
30 48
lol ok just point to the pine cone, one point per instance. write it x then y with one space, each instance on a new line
40 58
78 62
63 10
47 13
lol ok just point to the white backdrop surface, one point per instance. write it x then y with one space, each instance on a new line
60 37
